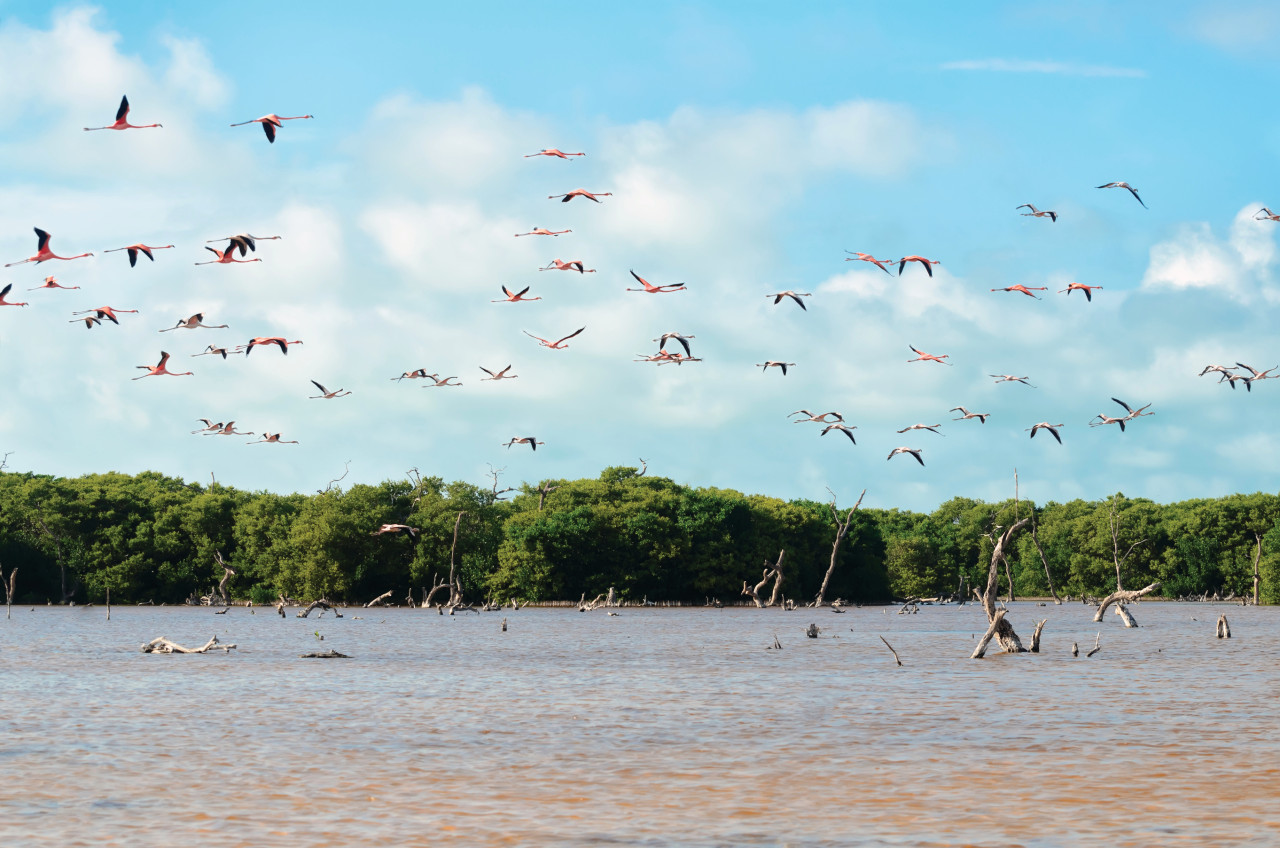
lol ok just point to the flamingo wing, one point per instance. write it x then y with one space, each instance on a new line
800 302
1055 434
4 291
571 335
123 111
269 128
322 389
1126 406
42 239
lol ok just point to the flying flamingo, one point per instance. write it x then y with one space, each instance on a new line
208 427
913 451
818 419
411 532
325 394
773 363
1267 215
1142 411
243 240
684 340
122 120
1088 290
1131 189
135 249
1232 378
525 440
159 369
794 295
1103 420
108 312
229 429
543 231
216 351
436 382
676 358
4 291
571 265
412 375
270 438
928 357
558 344
1036 213
966 414
269 340
1021 288
501 375
226 257
514 298
551 151
841 428
195 321
867 257
43 253
1009 378
1257 375
51 283
580 192
1045 425
932 428
269 125
665 288
1218 369
927 263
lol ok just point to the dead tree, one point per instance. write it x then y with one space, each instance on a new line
498 493
545 490
773 573
161 645
1036 540
842 529
1223 629
1257 558
346 466
455 589
998 627
1113 519
382 599
1123 598
229 572
322 604
9 587
61 557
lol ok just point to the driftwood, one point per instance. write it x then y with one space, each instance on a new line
1036 540
322 604
842 529
890 647
1257 558
9 586
161 645
229 572
1097 645
813 631
1035 637
998 626
1075 649
1125 616
382 599
324 655
996 621
1123 597
1223 629
773 573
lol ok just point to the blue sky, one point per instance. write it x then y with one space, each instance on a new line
746 149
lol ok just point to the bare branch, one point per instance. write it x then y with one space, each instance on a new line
346 466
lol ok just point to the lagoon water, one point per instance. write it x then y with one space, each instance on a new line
654 727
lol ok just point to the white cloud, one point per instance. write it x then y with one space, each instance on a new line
1241 266
1023 66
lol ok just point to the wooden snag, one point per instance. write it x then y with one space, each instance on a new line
1123 597
324 655
1223 629
890 647
1035 637
161 645
842 529
382 599
1125 615
10 586
322 604
1097 645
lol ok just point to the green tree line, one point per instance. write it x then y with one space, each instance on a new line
149 537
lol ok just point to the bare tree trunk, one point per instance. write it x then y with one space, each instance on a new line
108 603
323 604
1223 629
1125 616
1113 519
1123 597
999 627
228 573
9 588
1257 558
1035 637
1043 559
382 599
161 645
774 574
842 528
455 591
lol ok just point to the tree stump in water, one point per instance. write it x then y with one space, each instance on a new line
1123 597
1223 629
1125 615
324 655
161 645
322 604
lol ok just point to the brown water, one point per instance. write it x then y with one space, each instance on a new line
655 727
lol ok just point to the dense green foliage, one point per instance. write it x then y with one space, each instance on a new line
150 537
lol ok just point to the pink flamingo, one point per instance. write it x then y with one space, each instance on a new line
226 257
965 414
159 369
551 151
122 120
774 363
1021 288
437 383
216 351
683 339
108 312
270 123
501 375
516 297
841 427
51 283
1088 290
1009 378
43 253
558 344
580 192
794 295
269 340
543 231
135 249
666 288
244 240
417 374
932 428
192 323
571 265
1265 214
1036 213
325 394
411 532
913 451
1045 425
270 438
927 263
1131 189
208 427
928 357
4 291
525 440
867 257
227 430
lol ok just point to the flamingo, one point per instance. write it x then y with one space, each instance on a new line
683 339
1021 288
208 427
665 288
927 263
1124 185
1258 375
412 375
1104 419
501 375
867 257
558 344
1140 411
195 321
965 414
794 295
52 283
551 151
135 249
1219 369
841 428
913 451
4 291
411 532
516 297
216 351
1088 290
269 340
543 231
524 440
245 240
817 419
1045 425
928 357
229 429
226 257
1009 378
1267 215
1036 213
1232 378
571 265
43 253
437 383
773 363
270 438
122 120
325 394
159 369
932 428
270 123
580 192
675 358
108 312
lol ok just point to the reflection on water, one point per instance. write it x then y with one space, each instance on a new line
654 727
